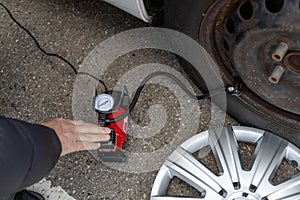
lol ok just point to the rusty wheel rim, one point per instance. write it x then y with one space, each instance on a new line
244 35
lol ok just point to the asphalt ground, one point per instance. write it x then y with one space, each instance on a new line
37 88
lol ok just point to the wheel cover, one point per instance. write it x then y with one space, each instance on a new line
233 182
243 36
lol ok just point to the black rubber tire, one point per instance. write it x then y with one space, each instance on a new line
186 17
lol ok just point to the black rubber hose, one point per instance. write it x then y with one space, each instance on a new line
178 82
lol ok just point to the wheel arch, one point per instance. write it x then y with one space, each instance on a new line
136 8
174 21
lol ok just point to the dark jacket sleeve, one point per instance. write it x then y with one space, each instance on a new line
28 152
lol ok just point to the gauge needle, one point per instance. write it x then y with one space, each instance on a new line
103 103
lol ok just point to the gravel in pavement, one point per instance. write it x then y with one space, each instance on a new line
36 88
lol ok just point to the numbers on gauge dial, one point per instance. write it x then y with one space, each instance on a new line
104 102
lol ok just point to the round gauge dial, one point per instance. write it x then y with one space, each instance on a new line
104 102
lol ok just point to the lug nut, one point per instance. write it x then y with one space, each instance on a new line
276 74
280 52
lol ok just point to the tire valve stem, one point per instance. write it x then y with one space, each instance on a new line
235 91
276 74
280 52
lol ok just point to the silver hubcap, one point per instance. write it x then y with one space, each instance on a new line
233 182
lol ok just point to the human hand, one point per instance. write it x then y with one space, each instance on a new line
76 135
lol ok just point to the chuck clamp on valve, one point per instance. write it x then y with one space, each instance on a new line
234 91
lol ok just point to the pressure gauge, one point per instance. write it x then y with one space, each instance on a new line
104 102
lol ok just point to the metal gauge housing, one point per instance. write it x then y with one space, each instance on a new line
104 102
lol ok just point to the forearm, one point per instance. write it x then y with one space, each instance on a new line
28 152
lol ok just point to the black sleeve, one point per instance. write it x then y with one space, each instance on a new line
28 152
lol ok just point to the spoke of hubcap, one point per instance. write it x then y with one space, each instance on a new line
184 166
270 152
225 148
162 180
289 190
233 182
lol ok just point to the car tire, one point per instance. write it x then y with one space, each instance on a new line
248 109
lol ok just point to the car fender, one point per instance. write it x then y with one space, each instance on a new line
134 7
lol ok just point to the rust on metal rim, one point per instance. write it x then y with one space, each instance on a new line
292 61
243 36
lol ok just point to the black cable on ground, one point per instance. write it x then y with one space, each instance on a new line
51 54
140 88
